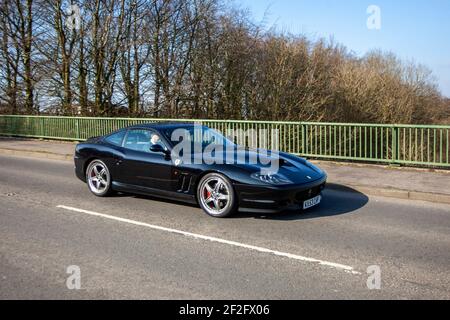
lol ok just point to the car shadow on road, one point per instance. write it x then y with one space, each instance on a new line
337 200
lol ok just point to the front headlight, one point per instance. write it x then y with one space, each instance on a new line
271 178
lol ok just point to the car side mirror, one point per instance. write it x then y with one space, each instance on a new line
158 149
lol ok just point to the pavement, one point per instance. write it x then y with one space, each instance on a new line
133 247
377 180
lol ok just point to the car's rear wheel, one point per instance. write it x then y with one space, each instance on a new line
98 178
216 196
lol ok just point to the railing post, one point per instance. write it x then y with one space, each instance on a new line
42 127
303 139
77 125
395 144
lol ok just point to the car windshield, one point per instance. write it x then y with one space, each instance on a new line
198 135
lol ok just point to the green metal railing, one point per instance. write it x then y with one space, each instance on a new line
421 145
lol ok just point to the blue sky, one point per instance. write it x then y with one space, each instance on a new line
417 30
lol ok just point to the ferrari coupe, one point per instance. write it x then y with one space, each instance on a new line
141 160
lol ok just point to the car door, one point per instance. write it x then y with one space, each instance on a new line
142 167
113 155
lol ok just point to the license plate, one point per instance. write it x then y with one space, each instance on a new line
312 202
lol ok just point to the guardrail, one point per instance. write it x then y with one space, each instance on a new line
420 145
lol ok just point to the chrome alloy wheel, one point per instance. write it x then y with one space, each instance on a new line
98 178
215 195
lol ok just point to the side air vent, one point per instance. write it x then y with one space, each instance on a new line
185 183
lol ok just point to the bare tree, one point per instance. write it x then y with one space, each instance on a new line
10 55
196 58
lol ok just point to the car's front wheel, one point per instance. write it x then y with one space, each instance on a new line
216 196
98 178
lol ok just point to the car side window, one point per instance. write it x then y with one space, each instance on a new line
142 140
116 138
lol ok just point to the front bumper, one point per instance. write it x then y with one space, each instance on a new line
79 166
276 199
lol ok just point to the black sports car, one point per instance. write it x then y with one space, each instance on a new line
212 171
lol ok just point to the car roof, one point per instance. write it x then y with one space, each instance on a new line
162 125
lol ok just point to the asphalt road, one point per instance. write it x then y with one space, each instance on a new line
132 247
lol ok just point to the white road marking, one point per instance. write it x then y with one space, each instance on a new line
348 269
